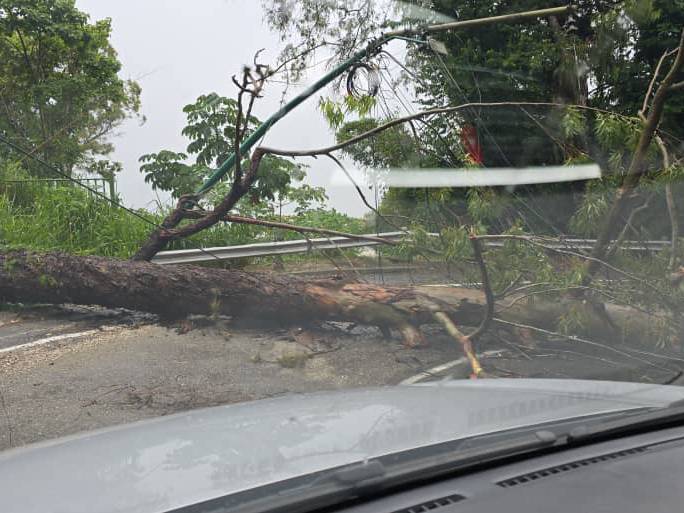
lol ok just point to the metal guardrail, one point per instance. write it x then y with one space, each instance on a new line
574 244
290 247
287 247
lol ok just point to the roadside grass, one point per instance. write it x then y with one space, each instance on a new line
65 218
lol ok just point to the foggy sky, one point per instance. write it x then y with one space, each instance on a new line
178 50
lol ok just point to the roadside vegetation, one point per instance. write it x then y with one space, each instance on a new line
39 217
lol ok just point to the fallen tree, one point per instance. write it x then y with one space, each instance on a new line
176 291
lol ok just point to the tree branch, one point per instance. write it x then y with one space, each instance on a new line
486 286
651 84
573 338
237 191
237 176
423 114
232 218
636 168
677 86
628 225
674 224
465 342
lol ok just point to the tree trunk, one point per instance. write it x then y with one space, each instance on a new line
177 291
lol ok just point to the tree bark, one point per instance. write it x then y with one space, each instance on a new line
178 291
174 292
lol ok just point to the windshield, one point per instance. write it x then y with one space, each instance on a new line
211 203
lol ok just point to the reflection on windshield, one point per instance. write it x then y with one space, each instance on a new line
363 193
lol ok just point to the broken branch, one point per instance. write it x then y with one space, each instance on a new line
465 342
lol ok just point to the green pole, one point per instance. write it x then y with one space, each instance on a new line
266 125
361 54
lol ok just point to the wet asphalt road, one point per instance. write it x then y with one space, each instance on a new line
93 367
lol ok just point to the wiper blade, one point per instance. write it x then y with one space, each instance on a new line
392 471
654 419
363 480
383 474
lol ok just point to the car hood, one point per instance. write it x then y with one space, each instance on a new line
182 459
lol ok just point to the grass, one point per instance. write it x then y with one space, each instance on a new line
70 219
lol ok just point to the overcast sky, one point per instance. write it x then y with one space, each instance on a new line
180 49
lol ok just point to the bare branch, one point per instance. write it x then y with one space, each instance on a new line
674 225
232 218
238 123
656 72
351 179
237 191
304 53
465 342
424 114
581 340
671 206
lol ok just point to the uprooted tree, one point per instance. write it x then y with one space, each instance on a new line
646 307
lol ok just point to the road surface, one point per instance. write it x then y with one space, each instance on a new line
77 369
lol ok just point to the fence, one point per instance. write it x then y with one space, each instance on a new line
101 185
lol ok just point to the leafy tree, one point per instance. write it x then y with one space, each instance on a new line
211 131
601 57
60 92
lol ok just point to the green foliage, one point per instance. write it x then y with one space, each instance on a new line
59 83
572 322
617 132
586 220
47 281
332 111
167 171
335 113
330 219
456 244
573 123
67 219
485 205
390 148
210 128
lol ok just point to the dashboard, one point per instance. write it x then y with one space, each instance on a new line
637 474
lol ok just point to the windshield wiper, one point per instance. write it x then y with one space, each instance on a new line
367 479
416 466
645 421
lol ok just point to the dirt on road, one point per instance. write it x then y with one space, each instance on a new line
123 374
66 370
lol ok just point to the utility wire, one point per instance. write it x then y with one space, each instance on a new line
54 169
451 78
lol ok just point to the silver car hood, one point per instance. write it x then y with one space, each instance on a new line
175 461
